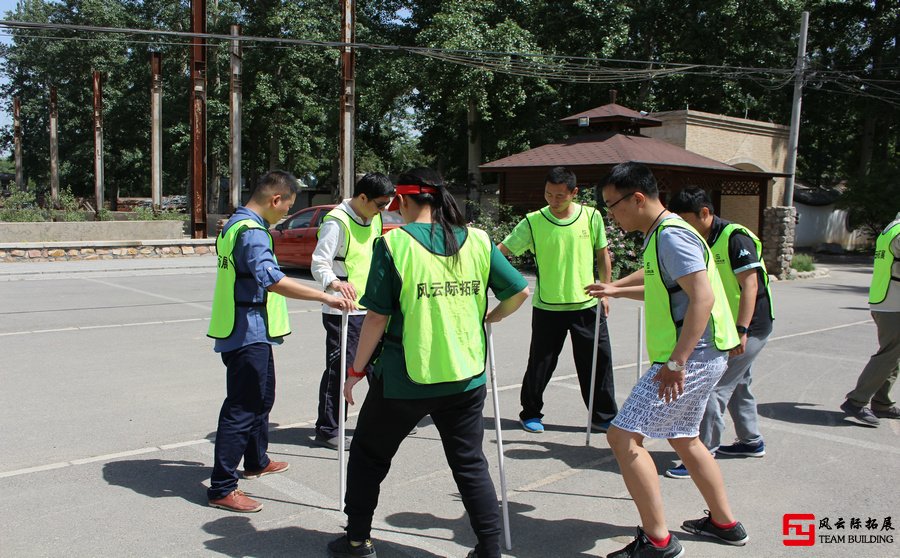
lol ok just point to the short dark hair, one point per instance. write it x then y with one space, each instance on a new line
374 185
275 182
691 200
632 177
562 175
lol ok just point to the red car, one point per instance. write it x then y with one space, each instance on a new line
295 237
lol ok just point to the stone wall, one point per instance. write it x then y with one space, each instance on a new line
104 250
779 229
75 231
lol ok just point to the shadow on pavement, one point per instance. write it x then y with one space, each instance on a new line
800 413
160 478
532 537
238 537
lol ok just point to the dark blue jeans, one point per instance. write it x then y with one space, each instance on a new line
243 429
330 386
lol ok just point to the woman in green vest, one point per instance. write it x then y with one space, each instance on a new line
426 296
689 331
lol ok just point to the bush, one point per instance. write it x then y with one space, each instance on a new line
147 214
70 207
499 228
21 206
803 262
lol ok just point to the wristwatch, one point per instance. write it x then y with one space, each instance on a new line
741 329
675 366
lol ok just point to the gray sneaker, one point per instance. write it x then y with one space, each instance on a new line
862 414
332 443
736 535
641 547
891 412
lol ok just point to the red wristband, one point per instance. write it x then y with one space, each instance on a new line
354 374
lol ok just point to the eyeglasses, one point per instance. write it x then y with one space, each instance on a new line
382 204
618 201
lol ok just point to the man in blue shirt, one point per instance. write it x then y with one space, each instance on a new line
249 316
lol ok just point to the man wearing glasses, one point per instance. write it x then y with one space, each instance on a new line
340 263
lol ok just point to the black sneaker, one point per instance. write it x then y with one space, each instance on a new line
862 414
641 547
736 535
891 412
341 548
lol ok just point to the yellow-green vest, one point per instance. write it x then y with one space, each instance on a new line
443 300
360 242
661 328
564 255
884 264
224 306
726 273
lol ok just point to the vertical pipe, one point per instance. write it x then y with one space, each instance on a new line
198 120
17 127
98 142
348 62
54 148
234 199
793 139
156 130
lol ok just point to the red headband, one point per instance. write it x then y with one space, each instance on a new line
408 189
416 189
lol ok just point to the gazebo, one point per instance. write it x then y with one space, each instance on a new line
611 134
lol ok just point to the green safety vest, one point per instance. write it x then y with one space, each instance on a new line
224 305
443 300
884 264
360 241
729 279
564 255
661 328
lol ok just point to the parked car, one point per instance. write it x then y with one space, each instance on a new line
295 237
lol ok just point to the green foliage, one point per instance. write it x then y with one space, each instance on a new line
803 262
498 220
872 201
147 214
413 109
21 206
69 207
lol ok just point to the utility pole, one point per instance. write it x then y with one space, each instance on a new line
98 142
198 120
156 130
793 138
54 148
348 92
17 132
234 199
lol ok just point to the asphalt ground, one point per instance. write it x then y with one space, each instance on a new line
111 392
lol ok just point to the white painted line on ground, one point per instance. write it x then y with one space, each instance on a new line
846 440
111 456
148 293
772 424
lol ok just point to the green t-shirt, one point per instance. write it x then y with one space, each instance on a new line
520 241
383 297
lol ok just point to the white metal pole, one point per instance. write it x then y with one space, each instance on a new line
342 413
640 343
496 397
587 439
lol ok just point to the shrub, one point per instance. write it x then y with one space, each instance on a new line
147 214
803 262
21 206
500 226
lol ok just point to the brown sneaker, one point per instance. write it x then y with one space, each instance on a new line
272 467
237 501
